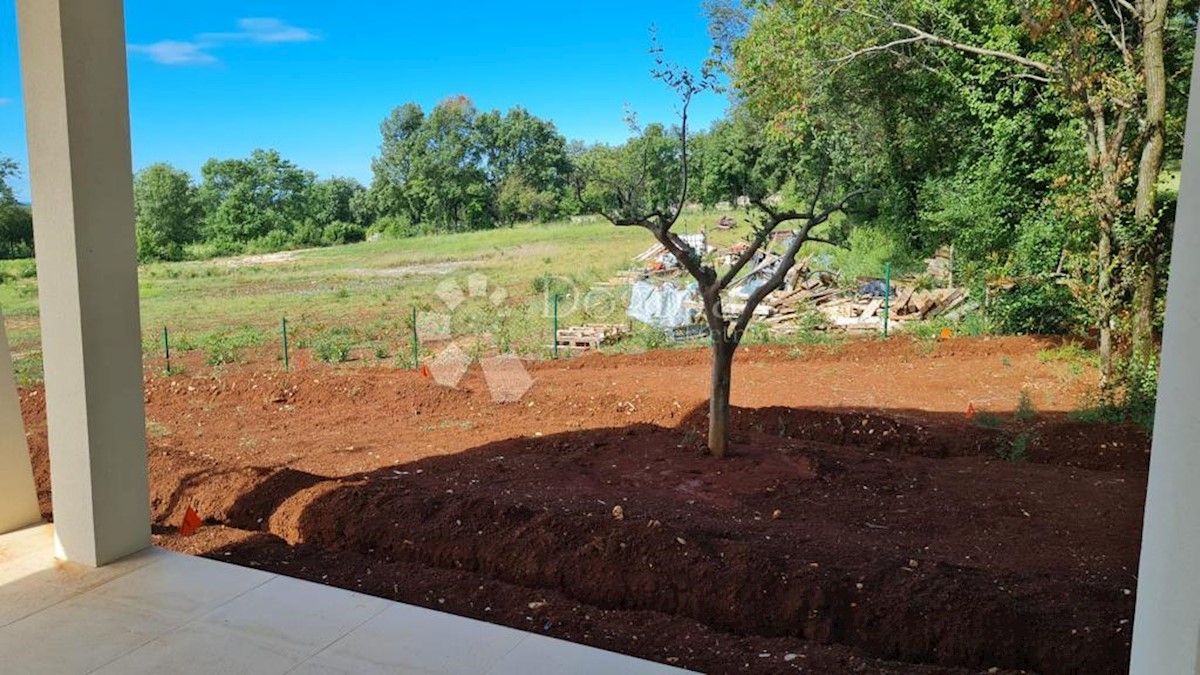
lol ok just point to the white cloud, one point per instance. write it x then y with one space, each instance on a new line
175 53
262 30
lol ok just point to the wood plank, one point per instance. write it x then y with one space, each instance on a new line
872 308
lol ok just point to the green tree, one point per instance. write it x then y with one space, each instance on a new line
247 199
526 162
167 212
332 200
430 167
16 221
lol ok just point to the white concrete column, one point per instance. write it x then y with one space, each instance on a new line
77 114
18 494
1166 632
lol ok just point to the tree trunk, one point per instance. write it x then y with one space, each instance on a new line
1104 290
718 401
1154 14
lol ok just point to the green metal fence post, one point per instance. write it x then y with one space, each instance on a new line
555 335
287 364
416 341
887 298
167 348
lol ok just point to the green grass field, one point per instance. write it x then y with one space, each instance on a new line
356 300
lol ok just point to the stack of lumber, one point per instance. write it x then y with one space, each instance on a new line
590 335
650 253
907 304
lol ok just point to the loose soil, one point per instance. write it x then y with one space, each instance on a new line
863 524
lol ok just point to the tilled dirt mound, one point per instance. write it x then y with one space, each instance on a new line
834 540
952 559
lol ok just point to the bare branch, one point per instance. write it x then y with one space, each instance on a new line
1128 6
821 240
761 236
685 255
776 280
773 283
917 35
1118 42
891 46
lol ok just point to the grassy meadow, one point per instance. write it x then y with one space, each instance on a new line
355 301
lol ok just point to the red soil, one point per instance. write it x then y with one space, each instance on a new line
863 525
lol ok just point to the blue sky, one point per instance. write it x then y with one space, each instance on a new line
313 79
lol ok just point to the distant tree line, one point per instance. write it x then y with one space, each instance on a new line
451 169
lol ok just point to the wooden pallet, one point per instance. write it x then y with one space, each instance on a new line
589 336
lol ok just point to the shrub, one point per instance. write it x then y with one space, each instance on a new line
394 226
275 240
307 233
339 232
1130 398
1037 308
868 251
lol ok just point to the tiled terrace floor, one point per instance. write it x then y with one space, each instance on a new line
162 612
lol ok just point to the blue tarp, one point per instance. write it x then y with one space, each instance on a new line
662 306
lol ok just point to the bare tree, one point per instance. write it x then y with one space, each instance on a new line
628 207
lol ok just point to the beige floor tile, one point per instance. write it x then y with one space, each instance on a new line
202 649
407 639
299 612
75 636
181 588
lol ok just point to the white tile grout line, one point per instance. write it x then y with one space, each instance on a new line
386 606
524 638
270 577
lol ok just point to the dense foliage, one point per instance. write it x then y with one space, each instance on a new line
16 222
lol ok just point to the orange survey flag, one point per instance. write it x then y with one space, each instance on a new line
191 522
425 371
970 411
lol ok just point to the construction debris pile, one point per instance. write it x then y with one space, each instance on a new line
665 297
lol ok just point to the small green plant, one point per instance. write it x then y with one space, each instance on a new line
226 347
928 331
1025 410
1005 361
1066 353
1018 448
1072 355
28 369
334 346
649 337
975 324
